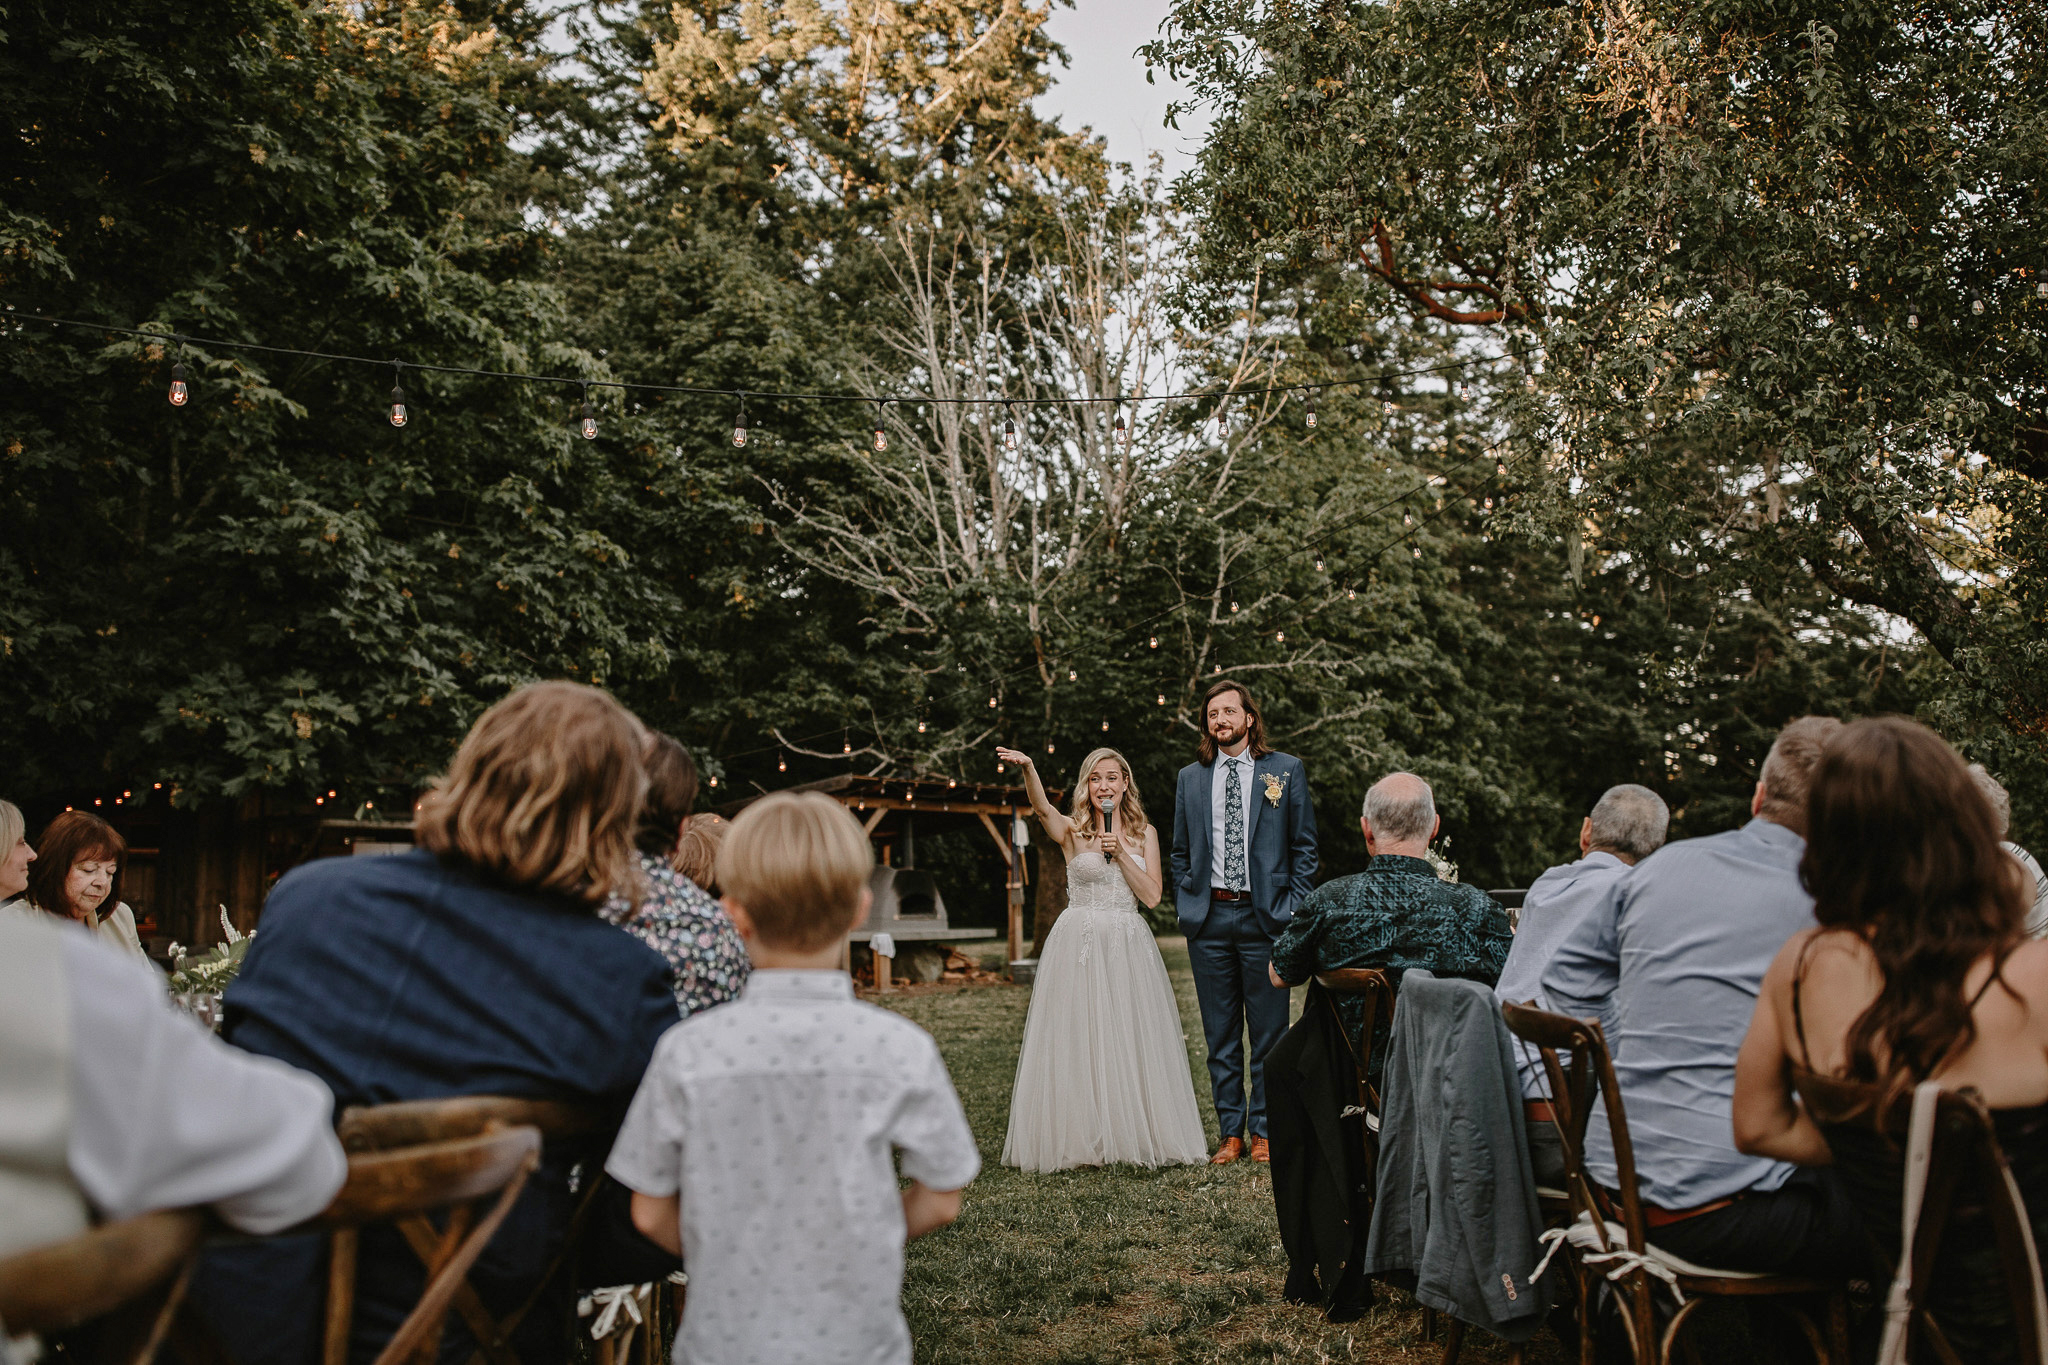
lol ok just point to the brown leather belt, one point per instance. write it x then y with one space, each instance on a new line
1539 1111
1218 893
1655 1217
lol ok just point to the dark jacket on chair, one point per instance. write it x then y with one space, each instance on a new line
1456 1198
1321 1187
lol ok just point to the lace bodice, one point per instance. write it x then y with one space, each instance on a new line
1095 883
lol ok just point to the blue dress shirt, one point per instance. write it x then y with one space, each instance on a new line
1552 908
404 978
1671 963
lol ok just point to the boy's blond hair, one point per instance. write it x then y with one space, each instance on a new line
797 863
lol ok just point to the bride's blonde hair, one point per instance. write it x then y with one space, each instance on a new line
1130 810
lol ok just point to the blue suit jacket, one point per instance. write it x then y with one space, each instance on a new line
1280 846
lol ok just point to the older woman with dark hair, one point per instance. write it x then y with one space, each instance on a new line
1920 970
675 916
477 964
78 874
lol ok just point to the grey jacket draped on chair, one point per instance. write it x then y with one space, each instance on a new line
1457 1198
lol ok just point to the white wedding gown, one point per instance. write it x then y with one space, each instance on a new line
1103 1076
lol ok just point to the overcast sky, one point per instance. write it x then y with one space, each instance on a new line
1104 87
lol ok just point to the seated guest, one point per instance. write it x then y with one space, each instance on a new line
1670 963
476 964
1627 825
1394 915
116 1104
764 1143
78 874
674 917
696 855
15 856
1920 970
2037 880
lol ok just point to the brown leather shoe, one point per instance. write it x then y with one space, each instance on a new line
1231 1150
1260 1151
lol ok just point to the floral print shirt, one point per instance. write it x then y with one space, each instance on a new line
680 921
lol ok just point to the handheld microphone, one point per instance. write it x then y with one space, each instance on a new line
1109 814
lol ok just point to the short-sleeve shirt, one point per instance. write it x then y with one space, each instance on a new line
775 1117
679 920
1394 915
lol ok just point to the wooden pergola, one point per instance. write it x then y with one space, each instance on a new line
894 811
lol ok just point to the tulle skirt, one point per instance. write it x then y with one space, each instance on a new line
1103 1076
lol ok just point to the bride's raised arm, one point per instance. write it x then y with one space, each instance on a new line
1058 826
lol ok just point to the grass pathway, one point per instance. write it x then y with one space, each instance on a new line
1097 1266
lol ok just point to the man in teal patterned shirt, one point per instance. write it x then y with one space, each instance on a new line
1396 914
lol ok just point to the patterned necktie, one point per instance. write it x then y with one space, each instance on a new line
1233 828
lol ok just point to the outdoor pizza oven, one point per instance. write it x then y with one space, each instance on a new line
905 898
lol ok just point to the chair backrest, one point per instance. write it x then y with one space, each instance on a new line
1572 1092
1967 1160
409 1123
1376 993
50 1288
402 1185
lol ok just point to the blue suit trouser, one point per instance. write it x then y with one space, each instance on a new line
1230 956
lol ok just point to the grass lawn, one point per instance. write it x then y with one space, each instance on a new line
1123 1264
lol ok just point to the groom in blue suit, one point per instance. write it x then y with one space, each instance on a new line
1244 855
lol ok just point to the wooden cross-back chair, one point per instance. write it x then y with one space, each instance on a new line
1370 984
131 1273
1966 1165
394 1131
1613 1221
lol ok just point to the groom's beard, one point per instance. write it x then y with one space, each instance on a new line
1225 738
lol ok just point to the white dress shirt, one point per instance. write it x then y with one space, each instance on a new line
1217 776
775 1119
154 1111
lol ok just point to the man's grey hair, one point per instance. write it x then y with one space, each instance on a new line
1994 792
1401 808
1788 769
1630 820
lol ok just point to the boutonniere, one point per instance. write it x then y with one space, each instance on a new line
1276 787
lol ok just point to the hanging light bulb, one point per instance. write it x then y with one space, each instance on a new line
1279 637
1407 519
2041 290
1310 421
1350 594
920 727
1489 504
1233 606
1913 320
1048 746
1162 699
398 414
739 426
881 436
1500 469
180 395
1319 563
1009 428
1105 727
1977 305
991 703
714 781
781 764
1418 552
1118 432
845 747
588 424
1072 676
1155 642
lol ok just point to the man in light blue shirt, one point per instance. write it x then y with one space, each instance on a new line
1671 962
1627 825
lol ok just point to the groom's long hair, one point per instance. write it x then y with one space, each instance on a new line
1255 723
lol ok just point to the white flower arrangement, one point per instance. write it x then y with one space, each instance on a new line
210 975
1446 870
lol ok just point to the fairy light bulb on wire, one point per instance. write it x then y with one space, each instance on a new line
2041 289
588 423
1977 304
398 413
1118 432
1009 428
1913 320
781 764
881 436
1310 420
739 426
1319 563
180 395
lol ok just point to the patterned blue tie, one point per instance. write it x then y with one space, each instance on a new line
1233 828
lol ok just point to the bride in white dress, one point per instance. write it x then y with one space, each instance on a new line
1104 1073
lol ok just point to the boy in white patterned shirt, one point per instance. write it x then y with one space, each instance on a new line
759 1145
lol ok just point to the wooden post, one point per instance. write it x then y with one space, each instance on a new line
1015 885
882 966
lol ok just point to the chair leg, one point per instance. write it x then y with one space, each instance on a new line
1678 1321
1454 1338
1428 1324
1838 1328
341 1295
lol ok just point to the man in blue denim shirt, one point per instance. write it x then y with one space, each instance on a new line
1671 964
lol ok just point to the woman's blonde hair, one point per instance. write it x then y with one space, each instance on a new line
1130 812
797 863
13 828
544 795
